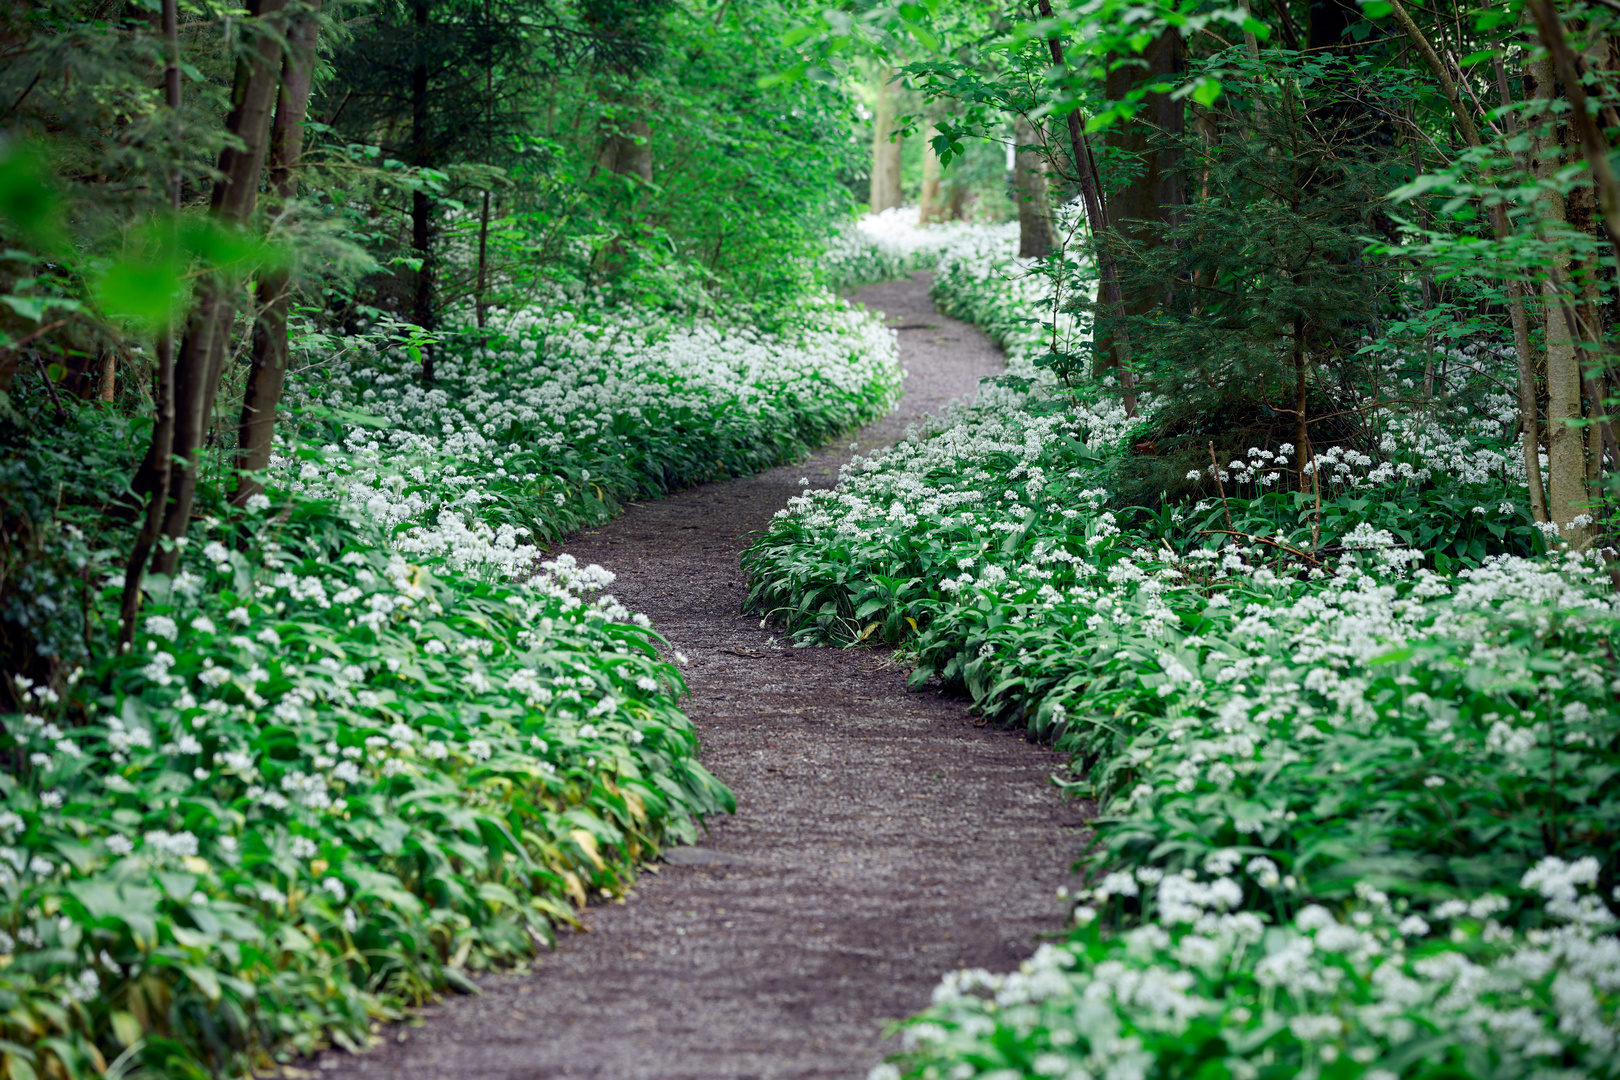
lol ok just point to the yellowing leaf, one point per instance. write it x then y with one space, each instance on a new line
587 844
571 886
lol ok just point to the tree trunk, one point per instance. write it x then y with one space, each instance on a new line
1029 192
483 262
930 207
421 201
885 191
1566 464
267 370
1302 428
108 389
162 463
1528 425
202 351
159 455
1153 186
1116 352
628 151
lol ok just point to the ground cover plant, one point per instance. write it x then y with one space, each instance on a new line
890 244
368 740
1355 767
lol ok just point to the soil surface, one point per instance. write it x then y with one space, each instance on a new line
881 838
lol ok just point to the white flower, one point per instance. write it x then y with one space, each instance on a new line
162 626
203 624
479 750
177 845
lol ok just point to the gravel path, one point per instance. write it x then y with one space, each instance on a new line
881 838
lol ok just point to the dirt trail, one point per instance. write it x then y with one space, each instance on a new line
881 838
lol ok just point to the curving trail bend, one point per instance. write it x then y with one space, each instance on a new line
881 838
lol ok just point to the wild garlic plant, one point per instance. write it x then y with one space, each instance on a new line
1357 792
370 738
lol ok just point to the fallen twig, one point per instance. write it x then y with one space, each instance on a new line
1263 540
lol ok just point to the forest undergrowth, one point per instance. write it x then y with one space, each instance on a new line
368 741
1354 758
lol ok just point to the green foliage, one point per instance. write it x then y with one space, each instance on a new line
1401 730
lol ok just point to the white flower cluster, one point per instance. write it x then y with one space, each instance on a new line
505 418
1358 987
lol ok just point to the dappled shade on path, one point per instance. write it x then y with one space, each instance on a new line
881 838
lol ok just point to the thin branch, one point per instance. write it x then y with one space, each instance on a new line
1263 540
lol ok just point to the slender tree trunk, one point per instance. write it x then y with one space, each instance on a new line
483 261
1529 400
267 370
1594 146
108 388
1302 429
421 202
202 352
160 452
1111 302
929 204
885 188
1029 191
1566 465
1529 435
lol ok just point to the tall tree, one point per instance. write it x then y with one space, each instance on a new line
267 368
1567 496
201 357
885 186
1029 191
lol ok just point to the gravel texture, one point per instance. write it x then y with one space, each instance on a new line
881 837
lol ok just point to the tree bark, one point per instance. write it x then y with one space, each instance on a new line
202 351
1302 428
267 370
628 151
1566 465
421 202
1029 192
1142 202
885 188
1110 300
160 451
483 262
108 389
1594 146
1529 434
1529 410
929 207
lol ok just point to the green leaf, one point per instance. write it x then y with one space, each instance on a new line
1376 9
1207 91
203 979
28 197
142 292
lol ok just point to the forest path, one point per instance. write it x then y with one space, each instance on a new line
880 840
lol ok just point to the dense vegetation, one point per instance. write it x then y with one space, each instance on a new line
1292 518
1355 761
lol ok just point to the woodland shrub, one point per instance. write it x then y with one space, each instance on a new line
366 742
1358 773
